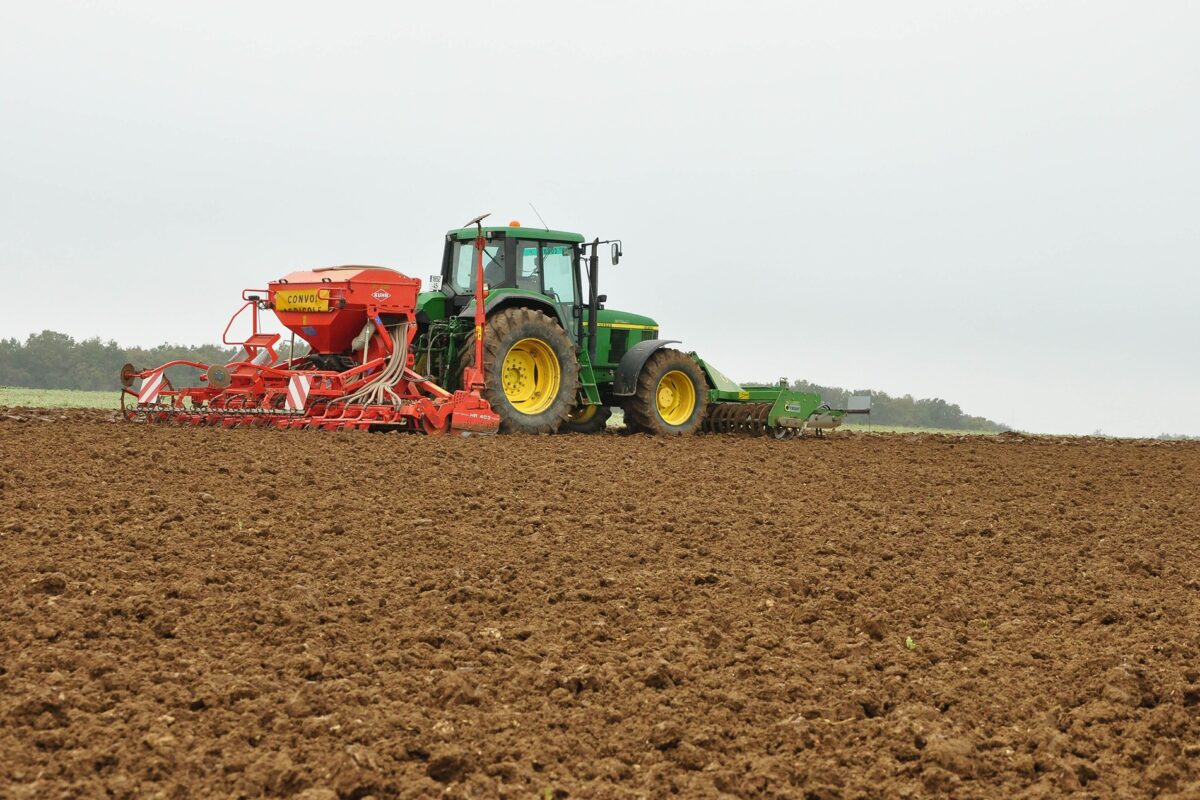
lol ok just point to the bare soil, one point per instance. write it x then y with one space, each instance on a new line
247 613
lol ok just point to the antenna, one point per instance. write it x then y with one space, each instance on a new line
539 216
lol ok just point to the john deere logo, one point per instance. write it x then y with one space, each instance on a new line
380 295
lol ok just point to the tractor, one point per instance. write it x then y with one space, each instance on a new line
556 358
512 335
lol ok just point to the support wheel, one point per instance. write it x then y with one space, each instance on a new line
671 396
586 419
531 373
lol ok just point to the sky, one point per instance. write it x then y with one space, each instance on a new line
997 204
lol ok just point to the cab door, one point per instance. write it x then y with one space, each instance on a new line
560 282
549 268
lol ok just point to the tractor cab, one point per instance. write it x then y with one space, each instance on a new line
541 264
554 271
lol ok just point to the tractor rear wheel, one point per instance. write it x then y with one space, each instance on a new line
670 397
586 419
530 370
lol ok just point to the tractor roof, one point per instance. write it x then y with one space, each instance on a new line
524 233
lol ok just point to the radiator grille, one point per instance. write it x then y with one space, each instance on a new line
618 344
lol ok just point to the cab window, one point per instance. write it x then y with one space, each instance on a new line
463 272
528 267
558 273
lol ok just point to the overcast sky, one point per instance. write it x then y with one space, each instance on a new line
997 204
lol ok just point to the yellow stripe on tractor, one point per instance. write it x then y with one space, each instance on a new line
628 326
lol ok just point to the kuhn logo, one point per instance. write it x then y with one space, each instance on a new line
380 295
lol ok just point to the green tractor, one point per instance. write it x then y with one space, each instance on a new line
556 359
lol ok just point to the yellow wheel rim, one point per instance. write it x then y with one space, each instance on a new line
675 397
582 414
531 375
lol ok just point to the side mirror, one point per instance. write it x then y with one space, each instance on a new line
616 253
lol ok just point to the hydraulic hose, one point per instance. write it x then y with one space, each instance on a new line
378 391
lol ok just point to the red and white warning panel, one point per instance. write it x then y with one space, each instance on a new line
151 386
298 389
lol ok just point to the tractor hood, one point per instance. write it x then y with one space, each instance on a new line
623 320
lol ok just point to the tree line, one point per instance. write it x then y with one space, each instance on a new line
52 360
926 412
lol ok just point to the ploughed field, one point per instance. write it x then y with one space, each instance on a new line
191 612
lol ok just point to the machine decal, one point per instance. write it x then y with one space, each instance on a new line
301 300
381 295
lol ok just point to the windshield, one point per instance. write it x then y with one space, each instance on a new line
462 274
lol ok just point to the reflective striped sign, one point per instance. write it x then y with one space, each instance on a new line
151 386
298 388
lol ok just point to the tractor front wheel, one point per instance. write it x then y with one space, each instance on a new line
530 370
670 398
